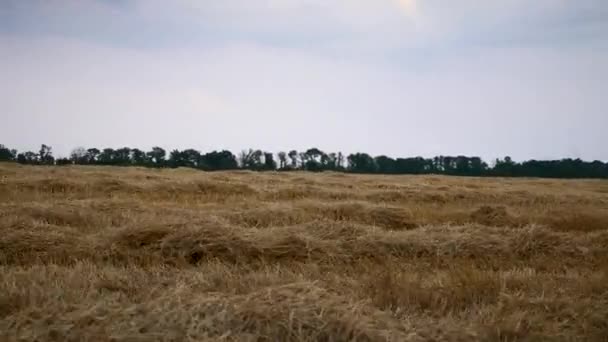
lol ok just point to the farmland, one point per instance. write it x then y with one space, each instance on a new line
132 254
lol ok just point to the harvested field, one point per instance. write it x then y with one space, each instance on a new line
130 254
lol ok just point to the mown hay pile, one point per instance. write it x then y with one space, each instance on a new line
128 254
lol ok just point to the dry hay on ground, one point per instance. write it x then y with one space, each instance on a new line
129 254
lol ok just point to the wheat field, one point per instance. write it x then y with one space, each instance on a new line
130 254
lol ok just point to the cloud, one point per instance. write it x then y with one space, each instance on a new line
409 7
396 77
520 102
377 27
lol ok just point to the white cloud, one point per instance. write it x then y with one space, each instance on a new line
422 77
409 7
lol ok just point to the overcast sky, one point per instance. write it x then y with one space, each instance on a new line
522 78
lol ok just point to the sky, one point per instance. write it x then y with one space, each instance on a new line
527 79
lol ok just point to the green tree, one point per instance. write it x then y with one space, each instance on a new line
269 163
6 154
28 158
414 166
63 161
282 160
122 156
92 155
191 157
361 163
176 159
504 167
332 161
138 157
79 156
224 160
106 157
157 156
293 156
251 159
340 161
462 165
314 159
385 164
46 155
478 167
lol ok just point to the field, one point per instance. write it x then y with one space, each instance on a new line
130 254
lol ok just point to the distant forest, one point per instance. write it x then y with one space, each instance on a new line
311 160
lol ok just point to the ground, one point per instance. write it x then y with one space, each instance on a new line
131 254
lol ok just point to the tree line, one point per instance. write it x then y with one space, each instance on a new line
312 159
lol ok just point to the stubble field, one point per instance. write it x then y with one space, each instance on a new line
130 254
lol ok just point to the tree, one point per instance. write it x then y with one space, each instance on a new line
478 167
251 159
187 158
332 161
190 158
313 159
282 160
122 156
79 156
325 165
449 164
157 156
438 164
315 154
138 157
417 165
222 160
361 163
385 164
293 156
340 161
6 154
462 165
46 155
269 163
316 160
176 159
28 158
63 161
303 160
92 155
106 157
504 167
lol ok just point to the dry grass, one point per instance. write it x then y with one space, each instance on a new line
128 254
